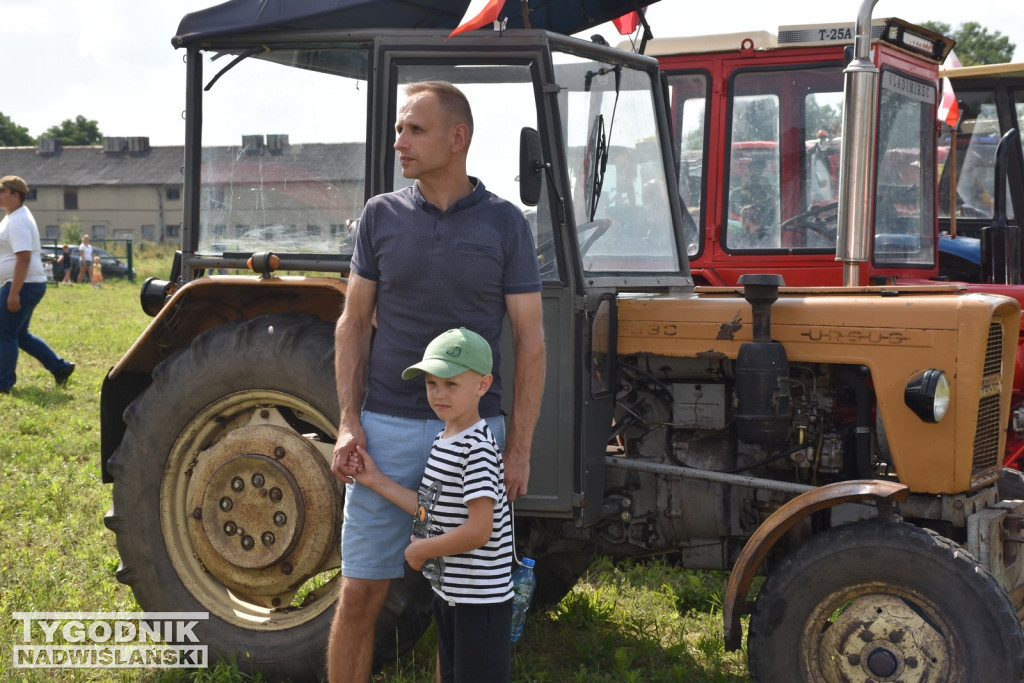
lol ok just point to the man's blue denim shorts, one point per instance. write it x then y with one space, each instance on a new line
375 531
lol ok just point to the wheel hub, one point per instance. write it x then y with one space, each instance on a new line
263 511
252 511
881 638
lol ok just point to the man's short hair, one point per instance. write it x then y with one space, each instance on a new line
453 100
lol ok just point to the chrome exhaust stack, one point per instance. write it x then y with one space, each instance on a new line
860 137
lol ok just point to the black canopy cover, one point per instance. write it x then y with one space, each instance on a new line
248 16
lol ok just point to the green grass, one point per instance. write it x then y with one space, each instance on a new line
634 621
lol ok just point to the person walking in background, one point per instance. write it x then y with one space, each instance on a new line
22 286
84 260
97 272
461 528
66 264
478 265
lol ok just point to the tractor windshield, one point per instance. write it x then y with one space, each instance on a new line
617 173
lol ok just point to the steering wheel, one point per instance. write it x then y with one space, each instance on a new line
815 227
546 249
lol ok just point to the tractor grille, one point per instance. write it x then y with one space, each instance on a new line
986 438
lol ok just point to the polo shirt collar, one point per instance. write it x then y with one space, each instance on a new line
474 197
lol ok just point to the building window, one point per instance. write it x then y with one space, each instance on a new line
31 196
312 229
70 200
172 230
149 233
173 193
53 232
99 232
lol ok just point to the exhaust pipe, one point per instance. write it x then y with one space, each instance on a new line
860 137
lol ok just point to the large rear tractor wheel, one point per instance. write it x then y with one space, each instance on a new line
883 601
224 502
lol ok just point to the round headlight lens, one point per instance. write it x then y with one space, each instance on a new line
927 395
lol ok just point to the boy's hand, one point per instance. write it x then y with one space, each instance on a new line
364 468
415 556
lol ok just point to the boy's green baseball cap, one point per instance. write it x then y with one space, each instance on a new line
452 353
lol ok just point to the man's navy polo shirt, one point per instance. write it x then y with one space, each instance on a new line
436 270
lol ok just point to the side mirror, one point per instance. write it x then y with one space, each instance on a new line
531 163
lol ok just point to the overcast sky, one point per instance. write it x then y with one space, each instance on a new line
112 60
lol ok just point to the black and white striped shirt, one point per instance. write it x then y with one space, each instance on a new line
468 466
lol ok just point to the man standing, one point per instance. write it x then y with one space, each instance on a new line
22 286
85 260
443 254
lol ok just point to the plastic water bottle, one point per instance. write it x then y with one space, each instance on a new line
523 583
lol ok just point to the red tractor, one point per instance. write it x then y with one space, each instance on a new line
758 121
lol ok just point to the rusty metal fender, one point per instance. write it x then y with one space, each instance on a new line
781 521
209 301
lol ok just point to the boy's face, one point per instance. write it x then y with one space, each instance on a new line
457 399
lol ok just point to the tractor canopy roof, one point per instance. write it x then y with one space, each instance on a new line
253 16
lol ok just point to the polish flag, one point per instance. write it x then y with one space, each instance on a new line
479 13
627 23
949 109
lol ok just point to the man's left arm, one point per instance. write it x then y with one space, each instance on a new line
526 317
22 259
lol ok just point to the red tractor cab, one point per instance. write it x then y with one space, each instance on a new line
758 117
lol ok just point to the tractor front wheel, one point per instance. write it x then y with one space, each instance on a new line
883 601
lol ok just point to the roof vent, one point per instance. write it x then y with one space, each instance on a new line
138 144
277 143
114 145
252 144
49 145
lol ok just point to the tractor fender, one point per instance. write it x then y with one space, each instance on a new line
194 308
781 521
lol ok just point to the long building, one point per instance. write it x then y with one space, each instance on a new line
128 189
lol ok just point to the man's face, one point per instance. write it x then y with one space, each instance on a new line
9 199
423 137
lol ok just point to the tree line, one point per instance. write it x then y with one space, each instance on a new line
76 131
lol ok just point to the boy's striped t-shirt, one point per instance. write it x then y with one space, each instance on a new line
468 466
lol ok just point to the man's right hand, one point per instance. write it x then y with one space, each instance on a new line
349 437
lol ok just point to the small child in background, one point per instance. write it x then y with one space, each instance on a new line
97 272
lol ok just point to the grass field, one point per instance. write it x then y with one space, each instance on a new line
644 621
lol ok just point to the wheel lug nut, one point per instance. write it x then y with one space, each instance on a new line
279 452
197 513
230 528
257 480
286 568
268 538
225 503
275 494
248 542
237 484
280 519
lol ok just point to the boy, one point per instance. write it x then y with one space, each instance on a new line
462 538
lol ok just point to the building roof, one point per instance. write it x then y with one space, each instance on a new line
79 166
85 166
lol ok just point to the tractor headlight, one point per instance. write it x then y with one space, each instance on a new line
927 395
